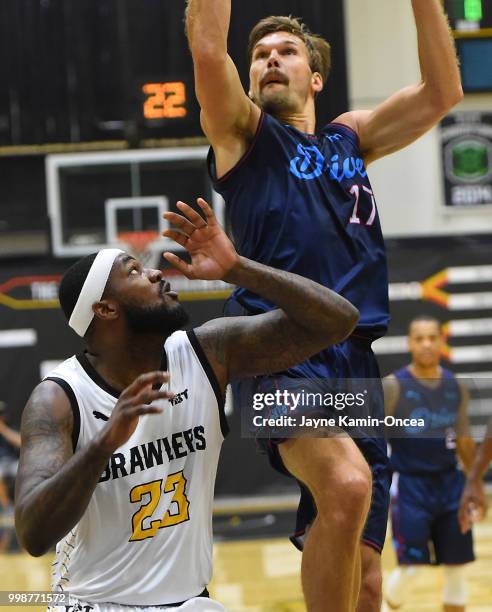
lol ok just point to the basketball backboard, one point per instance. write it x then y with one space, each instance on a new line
93 198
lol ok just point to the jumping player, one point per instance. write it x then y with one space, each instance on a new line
120 444
301 200
428 482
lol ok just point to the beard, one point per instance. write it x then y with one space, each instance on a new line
163 319
276 103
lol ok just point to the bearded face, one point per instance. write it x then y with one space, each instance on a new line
281 79
164 318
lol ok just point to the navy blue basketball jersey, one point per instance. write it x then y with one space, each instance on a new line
303 203
433 448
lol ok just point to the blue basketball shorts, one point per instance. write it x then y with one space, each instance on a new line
351 359
424 516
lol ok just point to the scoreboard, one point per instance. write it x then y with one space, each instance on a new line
83 76
119 72
102 71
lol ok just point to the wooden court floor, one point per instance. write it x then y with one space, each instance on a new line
263 576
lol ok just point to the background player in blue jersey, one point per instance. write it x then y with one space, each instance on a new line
301 200
428 483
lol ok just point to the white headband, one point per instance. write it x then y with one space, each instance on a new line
92 290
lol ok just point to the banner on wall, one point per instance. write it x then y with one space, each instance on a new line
466 141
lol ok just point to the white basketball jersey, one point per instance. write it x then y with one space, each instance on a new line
146 535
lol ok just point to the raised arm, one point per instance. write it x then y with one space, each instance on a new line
54 485
411 112
310 316
229 118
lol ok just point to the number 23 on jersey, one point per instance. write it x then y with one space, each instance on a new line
178 509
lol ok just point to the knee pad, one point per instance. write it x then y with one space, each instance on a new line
455 591
399 584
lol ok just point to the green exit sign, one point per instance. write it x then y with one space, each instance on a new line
465 10
473 10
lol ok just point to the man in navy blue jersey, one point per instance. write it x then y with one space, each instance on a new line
301 200
428 482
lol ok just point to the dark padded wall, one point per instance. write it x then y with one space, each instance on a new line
72 73
73 70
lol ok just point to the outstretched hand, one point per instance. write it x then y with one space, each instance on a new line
212 253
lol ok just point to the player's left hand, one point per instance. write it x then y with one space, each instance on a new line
473 505
212 253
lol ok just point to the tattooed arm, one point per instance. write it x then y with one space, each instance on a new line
310 316
54 485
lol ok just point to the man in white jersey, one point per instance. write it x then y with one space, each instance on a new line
121 444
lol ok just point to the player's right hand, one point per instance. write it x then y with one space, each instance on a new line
135 401
212 253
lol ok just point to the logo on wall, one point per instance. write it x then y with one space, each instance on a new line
467 158
41 292
30 292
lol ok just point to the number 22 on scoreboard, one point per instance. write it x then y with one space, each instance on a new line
165 100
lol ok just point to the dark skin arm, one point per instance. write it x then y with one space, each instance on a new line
391 388
310 317
473 503
54 485
465 445
483 456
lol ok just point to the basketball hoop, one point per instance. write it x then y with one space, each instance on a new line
140 246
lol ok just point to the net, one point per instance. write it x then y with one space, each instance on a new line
140 245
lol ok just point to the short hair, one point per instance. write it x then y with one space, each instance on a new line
318 48
425 317
72 283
